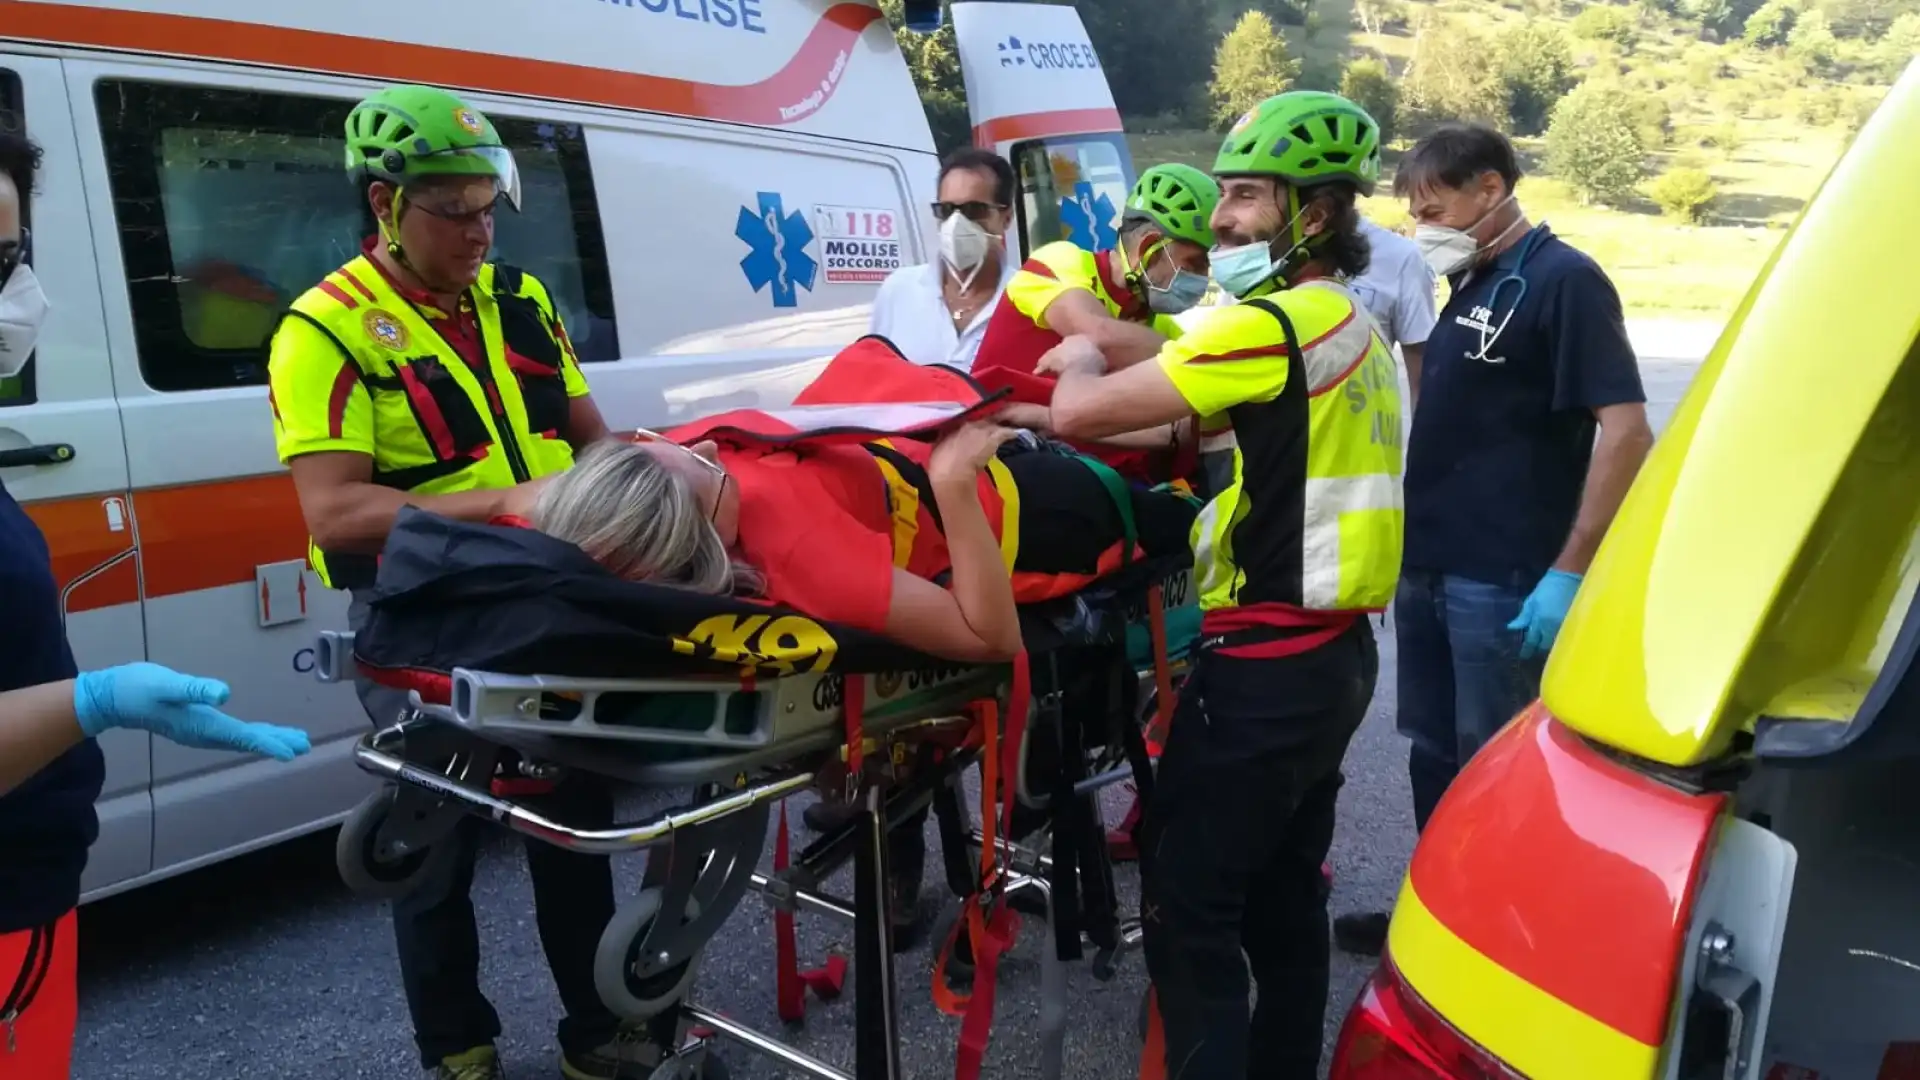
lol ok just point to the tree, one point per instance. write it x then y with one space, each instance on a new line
1250 66
1723 18
1152 50
1768 27
1536 67
1449 78
1864 20
1604 22
1684 193
934 61
1367 84
1811 40
1592 144
1895 51
1652 116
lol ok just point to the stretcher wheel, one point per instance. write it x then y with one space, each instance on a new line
629 995
366 858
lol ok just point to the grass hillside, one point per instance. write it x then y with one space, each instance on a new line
1761 110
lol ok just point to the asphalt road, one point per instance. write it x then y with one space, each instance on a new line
267 967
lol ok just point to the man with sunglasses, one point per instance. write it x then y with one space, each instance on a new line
936 312
422 374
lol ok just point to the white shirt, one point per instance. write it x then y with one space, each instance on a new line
910 311
1397 287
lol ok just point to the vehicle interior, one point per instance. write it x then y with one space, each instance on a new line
1835 749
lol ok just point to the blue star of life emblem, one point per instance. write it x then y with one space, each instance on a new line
778 259
1089 218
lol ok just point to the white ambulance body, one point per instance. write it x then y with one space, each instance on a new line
713 190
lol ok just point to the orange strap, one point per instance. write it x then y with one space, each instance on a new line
991 924
1156 734
1153 1056
853 694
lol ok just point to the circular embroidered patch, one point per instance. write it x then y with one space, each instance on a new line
469 120
385 329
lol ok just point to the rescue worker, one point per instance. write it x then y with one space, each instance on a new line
1289 561
51 767
1122 299
1531 426
421 374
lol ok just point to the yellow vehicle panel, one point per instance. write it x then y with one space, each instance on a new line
1765 556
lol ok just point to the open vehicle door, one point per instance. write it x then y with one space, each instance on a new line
1037 95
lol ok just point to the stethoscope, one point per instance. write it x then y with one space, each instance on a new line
1489 340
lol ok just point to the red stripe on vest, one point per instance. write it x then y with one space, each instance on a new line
339 294
343 385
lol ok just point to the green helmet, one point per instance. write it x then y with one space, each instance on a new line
1304 137
404 133
1179 199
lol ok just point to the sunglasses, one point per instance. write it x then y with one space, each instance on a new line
457 216
975 212
15 255
644 435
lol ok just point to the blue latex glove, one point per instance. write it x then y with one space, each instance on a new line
1545 609
180 708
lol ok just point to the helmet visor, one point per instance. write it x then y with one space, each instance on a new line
490 161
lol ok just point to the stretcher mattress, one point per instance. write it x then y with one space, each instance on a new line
551 655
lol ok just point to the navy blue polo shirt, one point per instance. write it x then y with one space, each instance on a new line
1498 454
47 823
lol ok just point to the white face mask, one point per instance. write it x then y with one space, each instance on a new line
1448 250
23 311
963 247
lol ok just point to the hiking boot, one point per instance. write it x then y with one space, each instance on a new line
479 1063
827 815
1362 933
633 1054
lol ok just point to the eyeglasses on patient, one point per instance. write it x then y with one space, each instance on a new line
645 435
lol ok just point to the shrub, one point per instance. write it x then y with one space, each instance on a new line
1594 145
1367 84
1604 22
1652 117
1811 40
1536 68
1449 77
1250 66
1769 26
1684 193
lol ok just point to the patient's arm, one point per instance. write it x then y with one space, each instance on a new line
976 619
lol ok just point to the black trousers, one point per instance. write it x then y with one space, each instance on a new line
439 942
1232 843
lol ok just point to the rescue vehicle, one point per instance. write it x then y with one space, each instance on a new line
713 189
1699 854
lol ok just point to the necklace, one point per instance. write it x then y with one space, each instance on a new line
963 306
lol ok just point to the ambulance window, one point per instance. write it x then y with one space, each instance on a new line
17 390
556 235
1072 189
232 203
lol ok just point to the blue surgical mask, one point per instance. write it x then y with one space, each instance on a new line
1185 290
1240 270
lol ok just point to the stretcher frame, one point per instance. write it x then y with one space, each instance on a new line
441 760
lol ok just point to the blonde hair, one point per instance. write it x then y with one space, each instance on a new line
639 519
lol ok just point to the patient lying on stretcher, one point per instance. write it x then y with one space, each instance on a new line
896 537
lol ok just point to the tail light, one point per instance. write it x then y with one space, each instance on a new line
1391 1034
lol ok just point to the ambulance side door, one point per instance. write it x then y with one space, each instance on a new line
219 198
1037 95
63 455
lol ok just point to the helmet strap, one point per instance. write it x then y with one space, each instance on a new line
1301 253
390 234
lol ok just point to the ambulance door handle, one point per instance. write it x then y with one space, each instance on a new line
43 454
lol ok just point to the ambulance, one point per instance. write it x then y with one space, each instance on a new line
1698 855
713 190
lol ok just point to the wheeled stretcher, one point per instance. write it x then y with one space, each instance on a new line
524 661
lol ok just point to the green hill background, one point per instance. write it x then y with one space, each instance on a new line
1671 139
